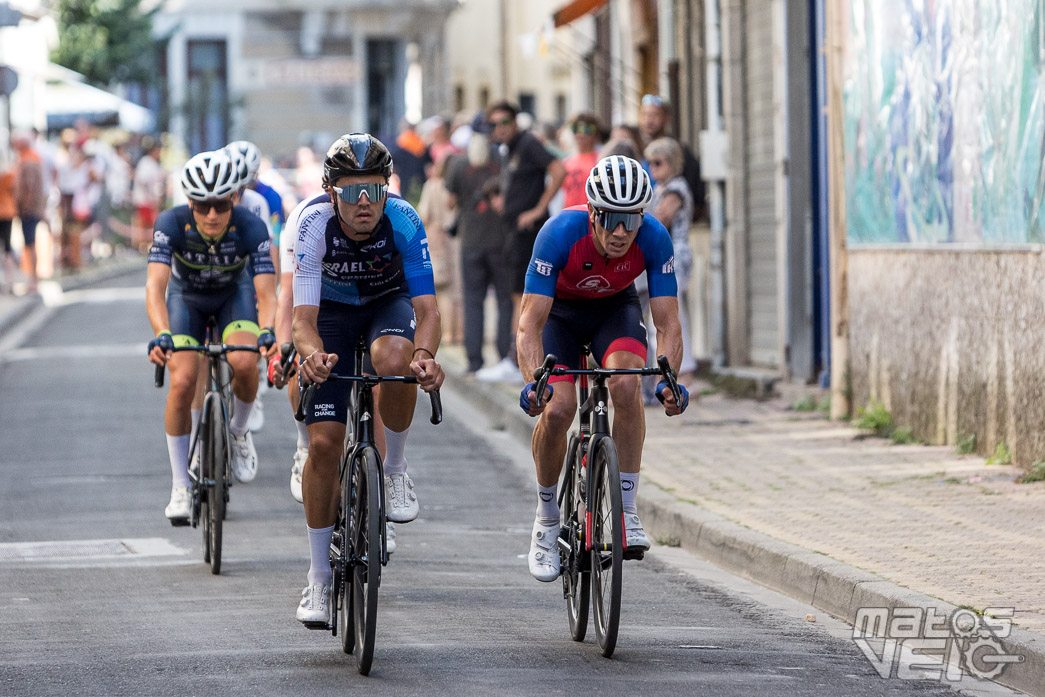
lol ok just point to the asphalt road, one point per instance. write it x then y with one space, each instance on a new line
100 596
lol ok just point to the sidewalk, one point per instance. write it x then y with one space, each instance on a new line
819 511
14 308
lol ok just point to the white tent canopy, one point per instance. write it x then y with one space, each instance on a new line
66 100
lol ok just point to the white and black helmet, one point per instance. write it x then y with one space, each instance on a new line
209 175
251 155
618 183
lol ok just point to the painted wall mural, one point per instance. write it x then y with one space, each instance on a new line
944 123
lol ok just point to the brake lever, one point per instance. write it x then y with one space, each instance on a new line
542 374
669 375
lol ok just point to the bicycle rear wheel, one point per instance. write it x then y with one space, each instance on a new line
365 531
575 577
607 549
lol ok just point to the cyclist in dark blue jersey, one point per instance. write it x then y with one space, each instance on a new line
362 271
579 291
209 258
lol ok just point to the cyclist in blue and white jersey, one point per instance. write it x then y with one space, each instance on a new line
208 258
579 290
363 270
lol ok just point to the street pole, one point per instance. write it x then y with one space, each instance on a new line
841 397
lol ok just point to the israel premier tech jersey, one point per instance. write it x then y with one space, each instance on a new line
566 265
202 265
332 267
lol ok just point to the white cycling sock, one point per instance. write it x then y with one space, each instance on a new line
547 505
319 549
240 416
629 484
178 452
302 435
195 425
395 447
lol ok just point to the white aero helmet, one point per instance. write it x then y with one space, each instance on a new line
251 154
618 183
239 166
209 175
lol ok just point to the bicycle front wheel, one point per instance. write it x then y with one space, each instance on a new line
575 576
607 543
365 530
340 554
212 494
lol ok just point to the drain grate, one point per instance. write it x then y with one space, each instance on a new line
86 549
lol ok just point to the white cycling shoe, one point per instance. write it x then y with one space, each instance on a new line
634 536
543 558
314 608
400 500
244 457
179 509
390 537
300 455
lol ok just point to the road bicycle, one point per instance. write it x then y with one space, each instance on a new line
212 479
358 548
592 545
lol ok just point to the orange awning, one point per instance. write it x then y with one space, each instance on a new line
576 9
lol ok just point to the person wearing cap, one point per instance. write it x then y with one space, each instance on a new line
654 115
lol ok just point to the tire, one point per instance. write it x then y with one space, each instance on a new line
607 553
575 578
342 570
214 467
366 530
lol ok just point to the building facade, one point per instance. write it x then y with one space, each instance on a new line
290 74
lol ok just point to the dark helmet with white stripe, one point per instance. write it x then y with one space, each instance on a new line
618 183
356 153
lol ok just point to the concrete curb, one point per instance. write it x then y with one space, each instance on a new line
829 585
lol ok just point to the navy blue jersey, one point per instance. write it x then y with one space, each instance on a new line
330 266
203 265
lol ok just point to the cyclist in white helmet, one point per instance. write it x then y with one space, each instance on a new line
579 291
277 218
208 258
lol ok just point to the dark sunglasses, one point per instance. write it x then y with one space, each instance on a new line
609 220
353 192
585 128
656 163
503 122
220 206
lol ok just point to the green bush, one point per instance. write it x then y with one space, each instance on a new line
1001 455
966 443
1036 474
904 435
875 417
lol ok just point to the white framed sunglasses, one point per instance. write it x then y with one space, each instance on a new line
353 192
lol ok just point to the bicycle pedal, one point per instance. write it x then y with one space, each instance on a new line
636 554
179 522
316 625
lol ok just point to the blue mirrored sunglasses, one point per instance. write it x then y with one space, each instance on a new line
611 219
353 192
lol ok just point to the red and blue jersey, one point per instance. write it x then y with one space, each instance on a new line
566 265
